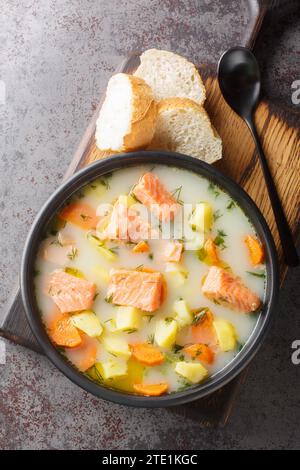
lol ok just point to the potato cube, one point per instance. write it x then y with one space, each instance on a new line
113 368
126 200
165 332
202 217
193 372
194 243
116 345
176 273
183 313
87 322
128 318
135 374
226 334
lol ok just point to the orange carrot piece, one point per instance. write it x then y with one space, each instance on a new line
204 332
201 352
84 355
255 249
63 332
141 247
80 214
147 354
144 269
211 252
151 390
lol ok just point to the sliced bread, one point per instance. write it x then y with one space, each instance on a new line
170 75
128 115
183 126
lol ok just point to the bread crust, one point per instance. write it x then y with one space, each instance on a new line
173 104
152 54
144 116
141 127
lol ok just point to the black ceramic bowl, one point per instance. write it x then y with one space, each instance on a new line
102 167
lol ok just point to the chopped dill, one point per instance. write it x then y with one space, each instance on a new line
130 331
109 299
230 205
73 253
169 319
85 217
104 180
239 346
217 214
261 274
56 242
177 193
150 338
220 239
177 348
199 316
113 249
140 267
214 189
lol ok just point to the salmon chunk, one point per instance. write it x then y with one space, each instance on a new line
152 193
80 214
173 251
70 293
143 290
126 224
222 286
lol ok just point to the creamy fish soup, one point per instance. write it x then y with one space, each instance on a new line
150 280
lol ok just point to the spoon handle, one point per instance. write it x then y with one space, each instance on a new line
286 237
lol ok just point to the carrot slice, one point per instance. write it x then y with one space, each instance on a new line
144 269
255 249
84 355
151 390
204 332
63 332
80 214
141 247
147 354
211 252
201 352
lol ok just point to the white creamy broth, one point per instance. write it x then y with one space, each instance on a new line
228 219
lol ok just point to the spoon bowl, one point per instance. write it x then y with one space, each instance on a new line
239 80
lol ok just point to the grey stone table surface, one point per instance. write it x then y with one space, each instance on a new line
55 59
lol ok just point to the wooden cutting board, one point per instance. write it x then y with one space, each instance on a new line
280 138
280 141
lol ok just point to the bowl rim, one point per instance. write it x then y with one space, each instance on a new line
118 162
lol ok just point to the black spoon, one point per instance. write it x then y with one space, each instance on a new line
239 81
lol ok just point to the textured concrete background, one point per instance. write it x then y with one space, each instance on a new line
55 58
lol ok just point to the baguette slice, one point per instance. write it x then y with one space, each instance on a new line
128 115
183 126
171 75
